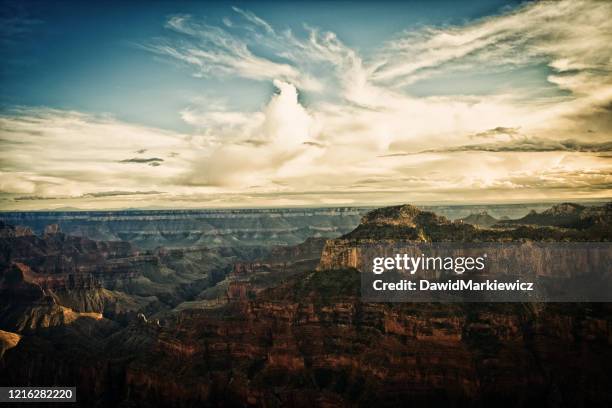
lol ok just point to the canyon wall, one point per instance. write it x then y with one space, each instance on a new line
188 228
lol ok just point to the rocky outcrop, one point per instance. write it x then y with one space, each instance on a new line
567 215
340 254
248 278
402 215
8 340
407 222
27 306
482 219
52 229
11 231
311 248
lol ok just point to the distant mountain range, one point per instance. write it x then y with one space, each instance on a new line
567 215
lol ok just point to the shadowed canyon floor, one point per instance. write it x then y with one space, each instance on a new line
262 325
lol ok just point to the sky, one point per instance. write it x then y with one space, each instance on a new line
250 104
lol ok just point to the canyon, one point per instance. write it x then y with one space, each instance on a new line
189 228
280 322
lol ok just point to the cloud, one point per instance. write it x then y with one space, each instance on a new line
580 180
314 144
66 153
151 161
254 19
212 50
572 37
523 145
497 131
33 198
541 145
318 62
272 143
90 195
120 193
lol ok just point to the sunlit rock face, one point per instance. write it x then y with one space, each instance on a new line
47 280
8 340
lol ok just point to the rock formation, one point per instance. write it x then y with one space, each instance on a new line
482 219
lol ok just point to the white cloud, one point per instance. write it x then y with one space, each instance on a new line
567 35
268 141
53 152
214 51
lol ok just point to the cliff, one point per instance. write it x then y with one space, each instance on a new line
40 275
567 215
8 340
482 219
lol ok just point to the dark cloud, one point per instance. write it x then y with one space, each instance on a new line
119 193
141 151
597 119
253 142
151 161
522 145
11 142
315 144
396 154
33 198
580 180
500 130
532 145
88 195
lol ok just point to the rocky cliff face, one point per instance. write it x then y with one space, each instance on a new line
567 215
8 340
47 280
482 219
11 231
